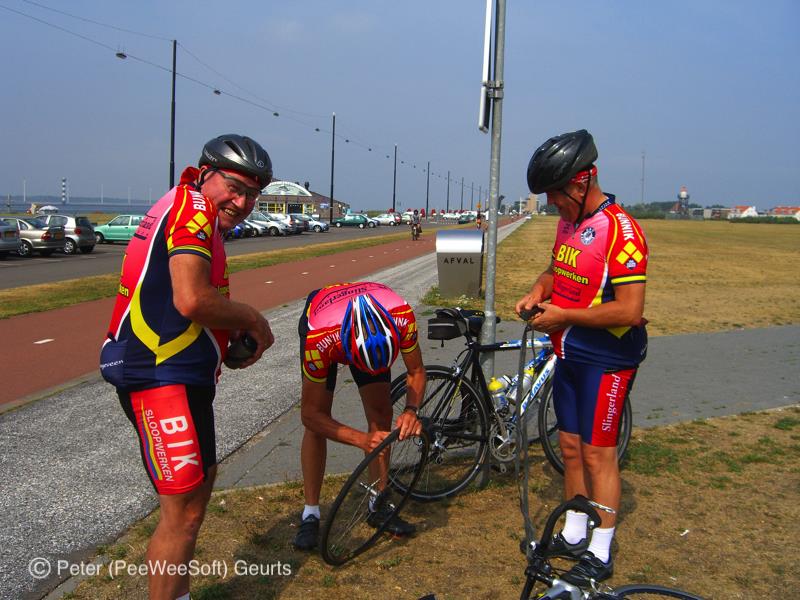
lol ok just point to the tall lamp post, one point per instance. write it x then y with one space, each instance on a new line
462 194
428 191
447 208
471 195
172 119
333 151
394 180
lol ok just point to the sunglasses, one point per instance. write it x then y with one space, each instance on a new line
239 188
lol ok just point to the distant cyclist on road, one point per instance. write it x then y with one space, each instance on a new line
416 225
366 326
169 335
596 284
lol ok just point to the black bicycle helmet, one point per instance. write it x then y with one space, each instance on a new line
238 153
559 159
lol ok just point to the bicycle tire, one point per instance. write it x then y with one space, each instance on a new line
346 532
643 591
548 429
458 433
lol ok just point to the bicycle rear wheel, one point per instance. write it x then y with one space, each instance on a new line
347 532
458 429
649 592
548 429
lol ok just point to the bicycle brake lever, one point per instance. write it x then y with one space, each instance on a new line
527 314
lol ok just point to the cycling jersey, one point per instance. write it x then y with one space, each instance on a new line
149 343
323 319
606 249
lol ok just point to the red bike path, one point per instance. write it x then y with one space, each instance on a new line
45 352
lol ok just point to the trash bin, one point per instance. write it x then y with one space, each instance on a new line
459 260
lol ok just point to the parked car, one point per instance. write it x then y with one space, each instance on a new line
273 227
360 221
9 238
37 236
259 229
391 219
465 218
119 229
294 225
78 232
312 224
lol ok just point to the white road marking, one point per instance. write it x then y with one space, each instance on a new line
304 273
45 341
268 282
332 266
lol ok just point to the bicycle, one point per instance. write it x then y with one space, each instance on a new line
468 422
539 569
415 231
350 529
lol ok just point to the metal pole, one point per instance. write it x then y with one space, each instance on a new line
462 194
471 195
172 119
333 151
428 191
447 208
496 95
394 180
642 200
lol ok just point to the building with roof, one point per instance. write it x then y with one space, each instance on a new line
786 211
288 197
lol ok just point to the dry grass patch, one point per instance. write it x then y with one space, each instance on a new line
709 506
703 275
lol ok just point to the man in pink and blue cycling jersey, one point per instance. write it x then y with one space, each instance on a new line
596 287
365 325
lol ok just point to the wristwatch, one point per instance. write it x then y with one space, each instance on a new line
411 408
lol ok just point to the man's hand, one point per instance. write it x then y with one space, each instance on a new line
262 334
373 439
551 318
527 302
408 424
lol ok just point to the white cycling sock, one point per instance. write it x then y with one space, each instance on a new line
311 510
184 597
575 526
600 545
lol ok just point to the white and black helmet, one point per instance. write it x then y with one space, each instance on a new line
238 153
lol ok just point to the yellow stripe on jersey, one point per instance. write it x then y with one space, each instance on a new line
151 339
629 279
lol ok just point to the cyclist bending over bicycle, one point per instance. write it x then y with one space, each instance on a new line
366 326
596 287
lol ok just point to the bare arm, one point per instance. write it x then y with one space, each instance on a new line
407 421
315 413
196 299
626 309
541 290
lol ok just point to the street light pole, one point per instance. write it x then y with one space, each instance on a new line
333 151
172 119
447 208
471 195
428 191
462 194
394 180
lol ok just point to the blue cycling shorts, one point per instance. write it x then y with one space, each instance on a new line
588 400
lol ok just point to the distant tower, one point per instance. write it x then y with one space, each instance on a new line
683 200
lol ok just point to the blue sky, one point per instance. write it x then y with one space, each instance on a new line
709 90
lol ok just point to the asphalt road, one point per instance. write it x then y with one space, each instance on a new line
107 258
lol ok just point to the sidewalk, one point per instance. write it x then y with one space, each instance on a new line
685 377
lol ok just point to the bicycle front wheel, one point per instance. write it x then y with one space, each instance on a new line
548 430
351 527
649 592
458 429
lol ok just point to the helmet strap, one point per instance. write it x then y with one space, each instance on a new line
581 203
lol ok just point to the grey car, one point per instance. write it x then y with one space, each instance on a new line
37 236
78 232
9 238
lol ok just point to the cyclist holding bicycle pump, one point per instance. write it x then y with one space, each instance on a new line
365 325
596 287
